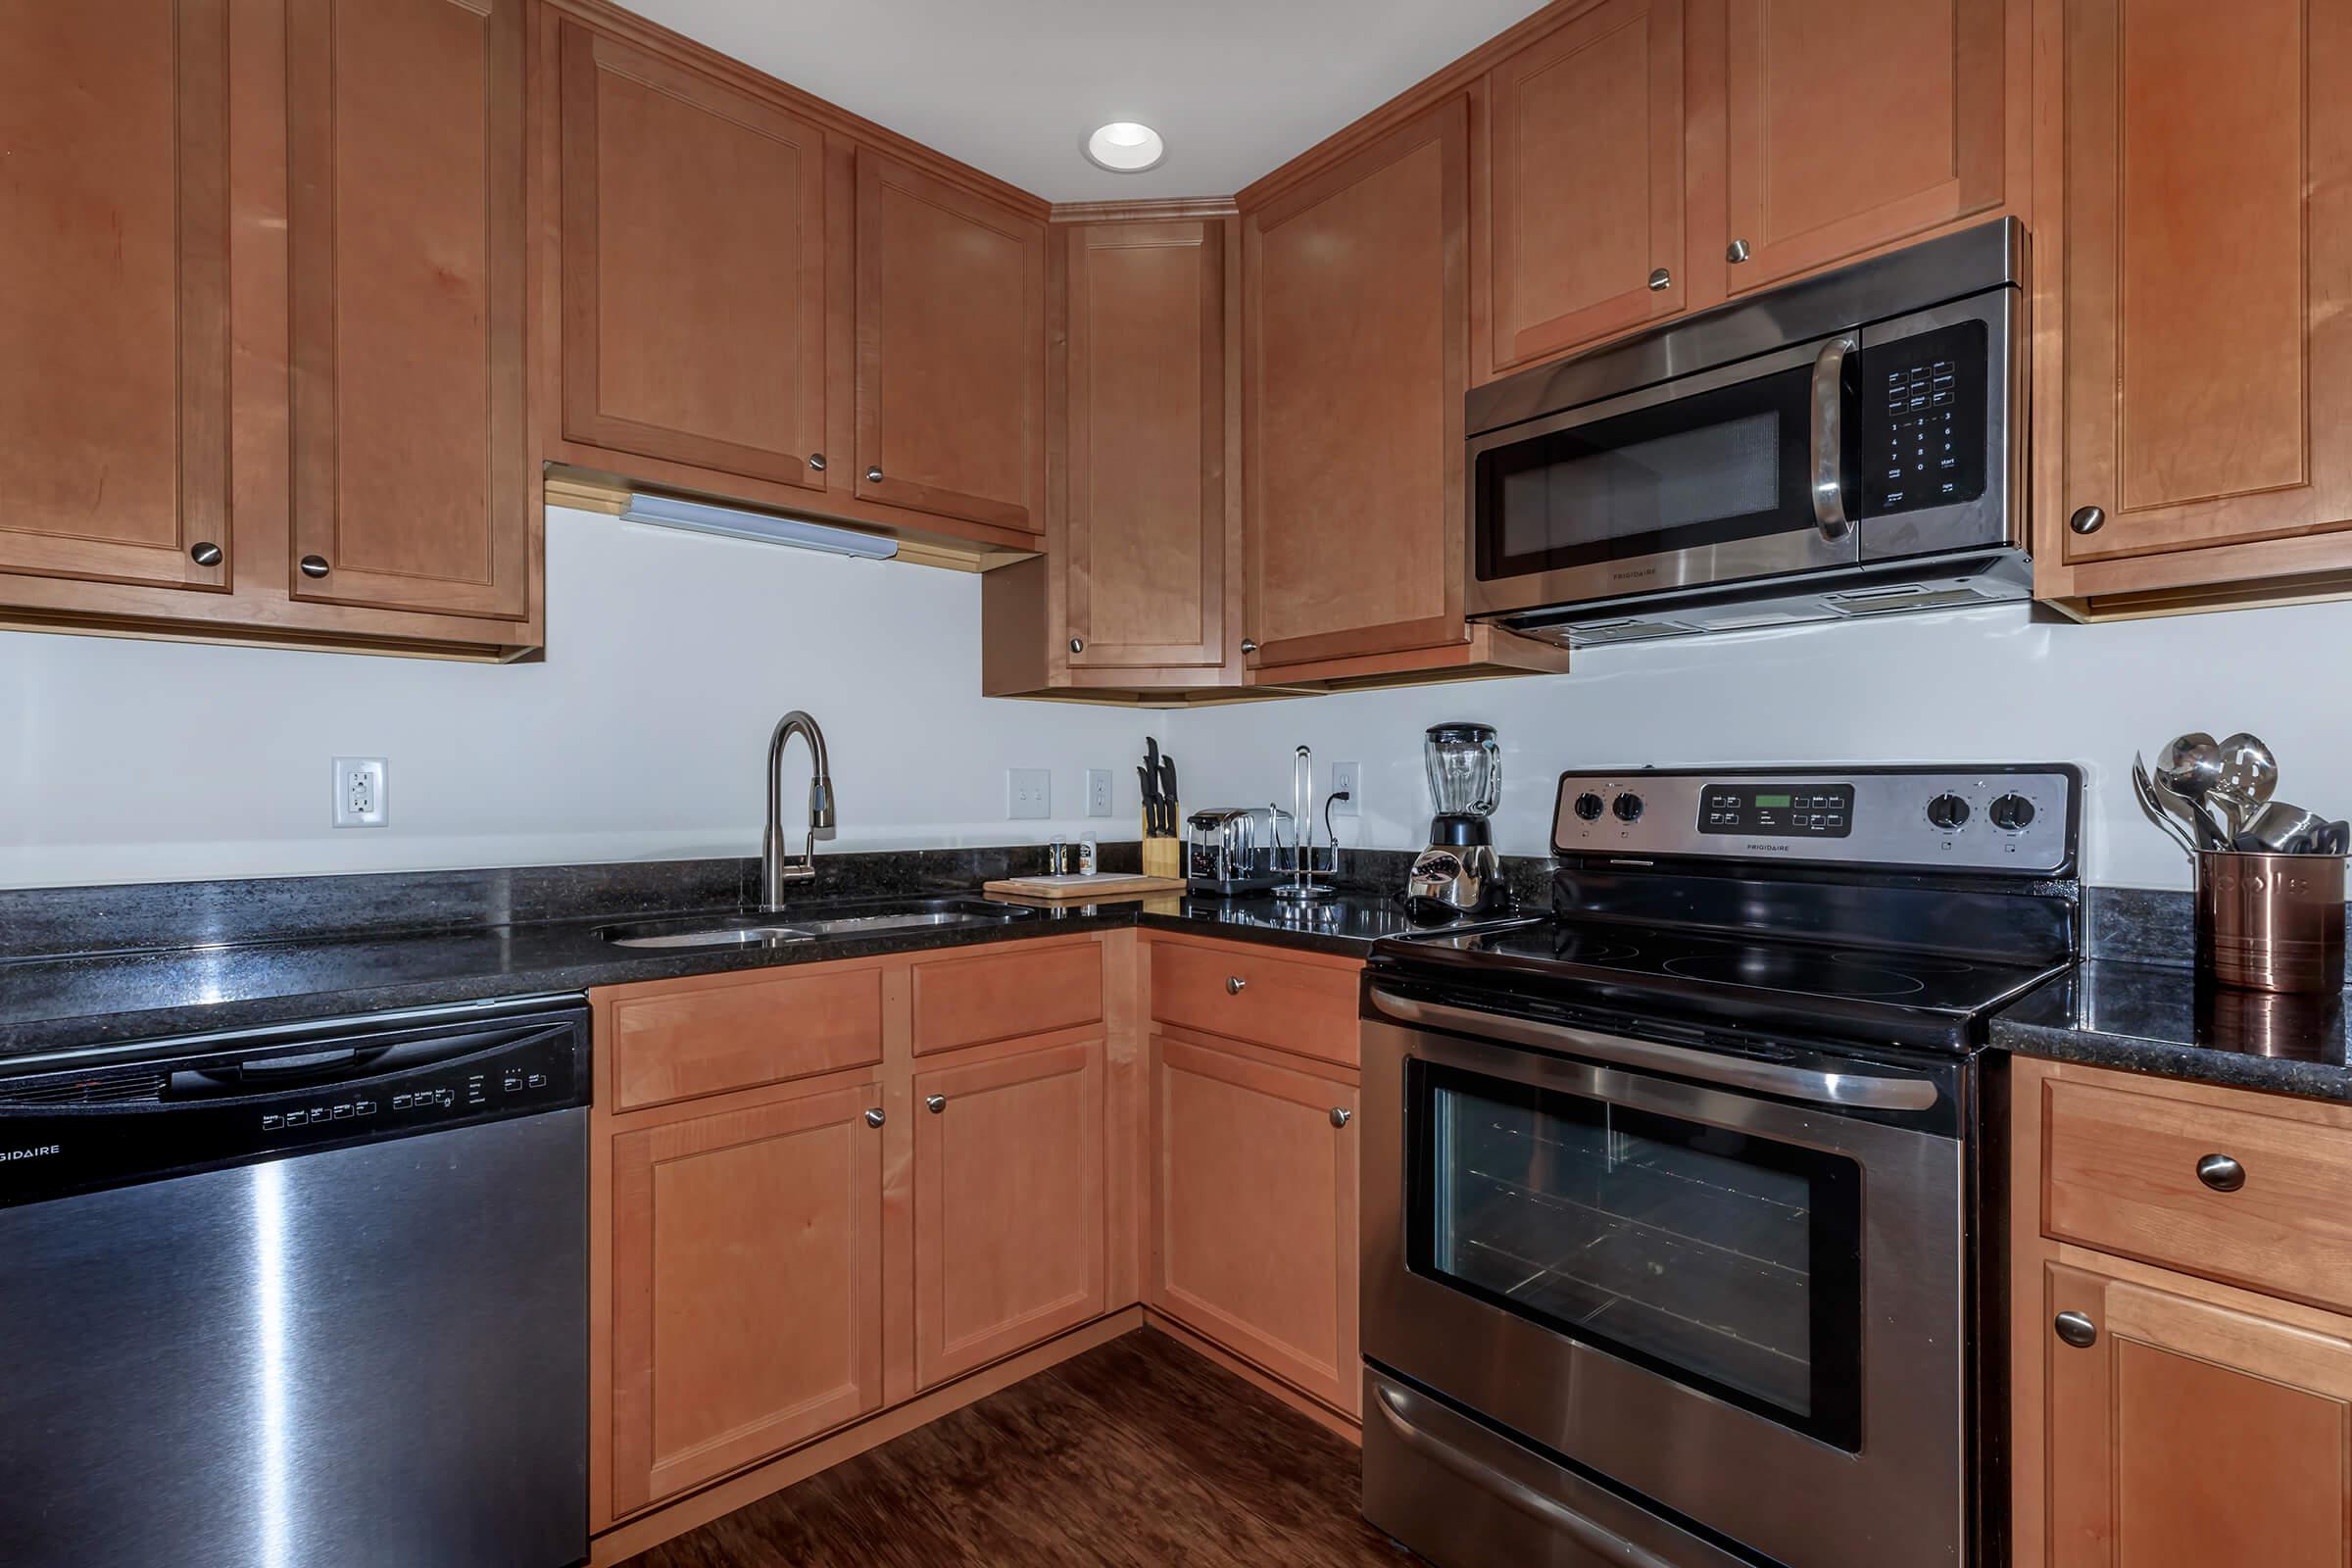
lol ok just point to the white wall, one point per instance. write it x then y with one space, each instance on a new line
643 735
1982 686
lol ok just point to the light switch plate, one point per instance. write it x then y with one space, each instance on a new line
359 785
1028 792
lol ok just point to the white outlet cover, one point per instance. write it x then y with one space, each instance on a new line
359 785
1028 793
1348 776
1098 792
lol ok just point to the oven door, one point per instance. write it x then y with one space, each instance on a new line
1745 1309
1707 478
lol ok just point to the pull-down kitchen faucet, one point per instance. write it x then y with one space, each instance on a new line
775 870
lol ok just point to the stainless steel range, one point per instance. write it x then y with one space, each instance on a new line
1673 1207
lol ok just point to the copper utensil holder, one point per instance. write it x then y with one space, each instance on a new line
2271 923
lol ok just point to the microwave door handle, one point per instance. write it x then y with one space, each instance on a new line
1829 441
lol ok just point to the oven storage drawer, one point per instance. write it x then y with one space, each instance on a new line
2249 1199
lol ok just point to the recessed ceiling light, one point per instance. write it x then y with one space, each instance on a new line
1126 148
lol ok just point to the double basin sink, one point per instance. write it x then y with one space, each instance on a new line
814 922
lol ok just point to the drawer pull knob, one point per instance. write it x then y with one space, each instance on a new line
935 1103
1234 984
2221 1173
2076 1330
1341 1115
875 1118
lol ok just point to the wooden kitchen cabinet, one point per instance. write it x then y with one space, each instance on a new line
747 1260
1578 203
1010 1244
2194 370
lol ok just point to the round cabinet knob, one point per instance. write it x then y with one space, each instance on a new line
2076 1330
2221 1173
1234 984
1736 252
936 1104
313 565
874 1118
1341 1115
1948 813
2012 814
1627 808
1588 805
205 553
1660 280
873 476
1248 644
1077 645
2088 519
816 461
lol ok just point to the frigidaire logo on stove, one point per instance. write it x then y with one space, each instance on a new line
1629 577
42 1153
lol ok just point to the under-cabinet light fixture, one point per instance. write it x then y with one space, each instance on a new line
668 511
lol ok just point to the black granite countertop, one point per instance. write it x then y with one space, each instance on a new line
2163 1020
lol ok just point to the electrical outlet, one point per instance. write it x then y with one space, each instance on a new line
1028 792
360 791
1098 792
1348 776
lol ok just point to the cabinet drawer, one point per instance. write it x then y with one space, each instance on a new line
736 1034
2122 1177
1018 988
1245 994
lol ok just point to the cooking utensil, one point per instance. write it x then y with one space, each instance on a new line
2334 839
2189 769
2279 828
1144 776
1168 797
2203 825
2247 776
2153 804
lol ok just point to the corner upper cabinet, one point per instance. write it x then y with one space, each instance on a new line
411 483
1579 200
950 368
694 268
113 292
2196 380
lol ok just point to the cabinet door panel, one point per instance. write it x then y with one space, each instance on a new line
2188 1434
951 349
113 290
1146 530
406 135
694 267
1585 187
1357 329
2208 351
1253 1213
1010 1238
747 1286
1854 123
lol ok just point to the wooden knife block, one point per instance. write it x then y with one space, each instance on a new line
1163 857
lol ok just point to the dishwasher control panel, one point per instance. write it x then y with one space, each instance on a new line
533 1077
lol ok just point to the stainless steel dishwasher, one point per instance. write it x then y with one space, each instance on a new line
300 1297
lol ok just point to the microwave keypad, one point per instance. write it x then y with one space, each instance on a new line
1923 419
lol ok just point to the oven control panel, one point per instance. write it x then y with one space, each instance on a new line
2009 818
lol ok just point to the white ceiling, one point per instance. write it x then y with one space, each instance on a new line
1014 86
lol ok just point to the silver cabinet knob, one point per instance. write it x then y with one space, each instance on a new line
873 476
1735 250
874 1118
1660 280
816 461
205 553
1341 1115
313 565
1234 984
1248 644
2088 519
1077 645
936 1104
2076 1330
2221 1173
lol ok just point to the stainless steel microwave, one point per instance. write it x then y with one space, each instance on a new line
1844 446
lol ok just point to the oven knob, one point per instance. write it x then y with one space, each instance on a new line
2012 814
1588 805
1948 813
1628 806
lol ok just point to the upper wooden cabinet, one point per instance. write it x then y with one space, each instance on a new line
2197 372
113 292
1579 207
410 488
694 267
951 349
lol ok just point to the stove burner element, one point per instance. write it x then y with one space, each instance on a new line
1776 970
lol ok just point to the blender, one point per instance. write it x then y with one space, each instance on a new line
1459 874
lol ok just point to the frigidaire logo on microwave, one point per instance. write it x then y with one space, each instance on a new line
39 1153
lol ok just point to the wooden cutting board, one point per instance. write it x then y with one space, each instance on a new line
1078 889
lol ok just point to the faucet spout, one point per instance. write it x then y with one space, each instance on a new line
775 869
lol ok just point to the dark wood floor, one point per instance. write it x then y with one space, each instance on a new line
1138 1453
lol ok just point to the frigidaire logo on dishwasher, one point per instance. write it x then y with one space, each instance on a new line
45 1150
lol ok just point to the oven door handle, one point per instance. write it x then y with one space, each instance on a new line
1857 1089
1829 441
1590 1533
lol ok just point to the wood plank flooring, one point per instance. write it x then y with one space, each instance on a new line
1138 1453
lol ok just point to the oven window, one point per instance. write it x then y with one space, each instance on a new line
1725 1262
1709 468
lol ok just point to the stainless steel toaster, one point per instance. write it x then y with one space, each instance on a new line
1231 850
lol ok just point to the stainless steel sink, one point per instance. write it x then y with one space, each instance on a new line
810 921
